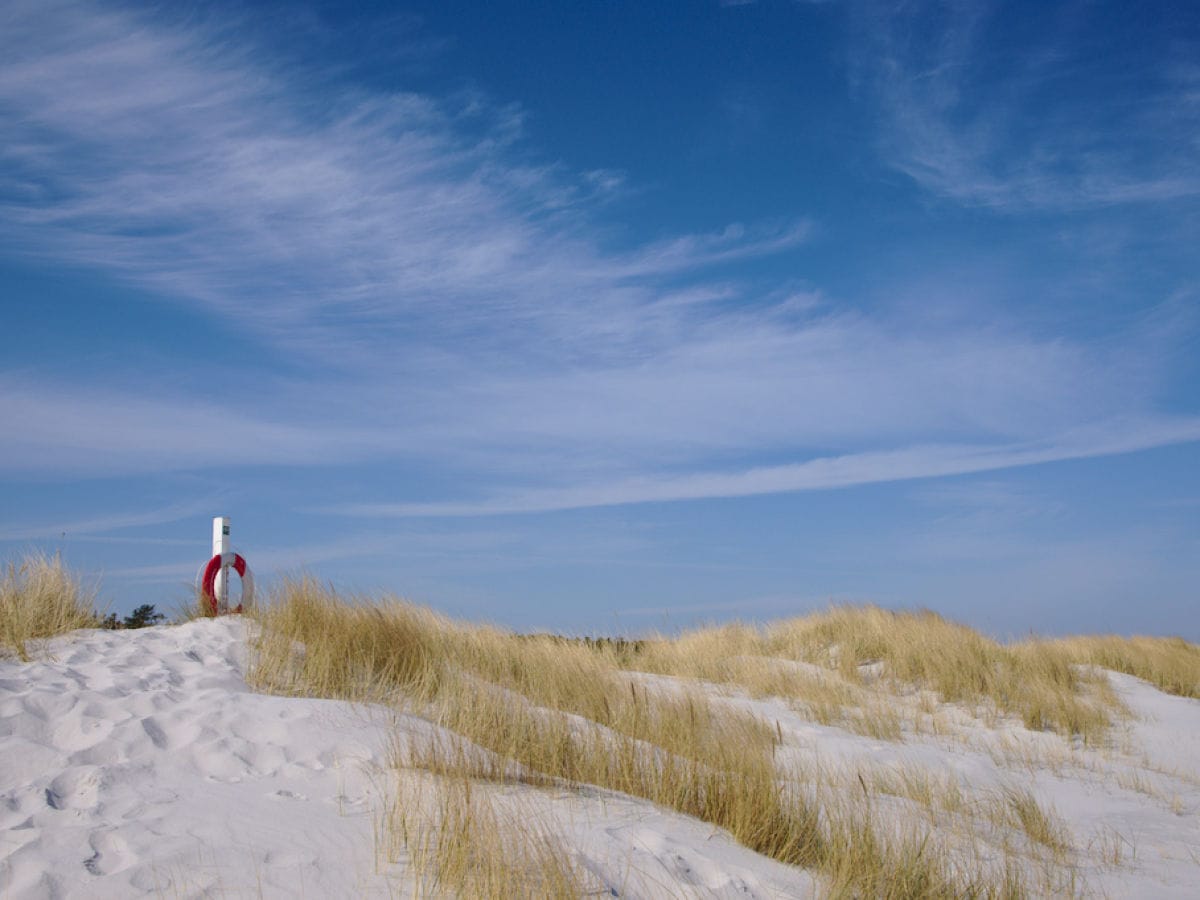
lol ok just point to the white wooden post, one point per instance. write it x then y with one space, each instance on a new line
221 545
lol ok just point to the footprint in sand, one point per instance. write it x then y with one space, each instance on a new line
49 707
155 732
77 788
78 731
110 853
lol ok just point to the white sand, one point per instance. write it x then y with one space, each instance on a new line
139 763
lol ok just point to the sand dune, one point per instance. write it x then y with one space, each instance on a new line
140 763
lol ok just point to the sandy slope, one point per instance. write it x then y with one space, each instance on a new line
140 763
1131 809
137 763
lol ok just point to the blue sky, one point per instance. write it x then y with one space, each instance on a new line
611 316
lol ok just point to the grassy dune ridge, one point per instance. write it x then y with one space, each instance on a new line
672 720
547 710
40 598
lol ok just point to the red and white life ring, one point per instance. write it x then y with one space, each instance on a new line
208 579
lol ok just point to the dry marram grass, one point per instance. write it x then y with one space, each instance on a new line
1172 664
547 711
457 841
657 719
41 598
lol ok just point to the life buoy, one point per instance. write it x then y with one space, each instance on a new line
209 579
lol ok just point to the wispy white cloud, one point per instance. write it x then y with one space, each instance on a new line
816 474
186 162
458 304
1032 108
694 388
72 428
102 525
